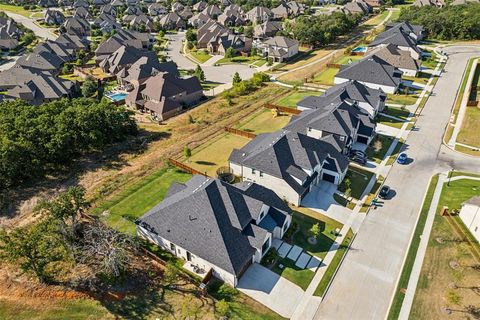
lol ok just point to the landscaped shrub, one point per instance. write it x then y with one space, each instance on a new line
270 257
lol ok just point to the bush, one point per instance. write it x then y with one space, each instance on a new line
270 257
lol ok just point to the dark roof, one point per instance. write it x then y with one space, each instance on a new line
371 70
210 219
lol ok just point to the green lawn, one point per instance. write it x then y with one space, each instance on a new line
15 9
422 77
379 154
242 59
326 77
457 192
208 85
401 99
138 199
469 132
359 180
263 121
412 252
377 19
397 112
301 277
200 55
430 62
395 153
332 267
293 98
215 153
304 223
55 309
390 122
348 59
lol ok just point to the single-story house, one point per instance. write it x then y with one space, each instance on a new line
400 59
470 216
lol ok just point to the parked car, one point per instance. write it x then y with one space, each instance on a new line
359 159
358 153
402 158
384 192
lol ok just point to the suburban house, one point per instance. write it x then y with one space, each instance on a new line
416 32
375 3
77 26
210 33
370 100
231 18
267 29
9 34
165 95
56 49
41 61
113 43
73 42
358 7
109 10
399 37
199 6
80 3
279 48
216 226
139 22
470 216
289 162
400 59
156 9
199 20
258 15
144 68
239 43
83 13
54 17
212 11
172 21
123 58
186 13
47 3
342 119
429 3
106 23
35 87
177 7
372 72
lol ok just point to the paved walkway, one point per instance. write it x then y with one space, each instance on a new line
270 289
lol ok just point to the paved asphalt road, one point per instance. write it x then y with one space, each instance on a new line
366 281
29 23
222 74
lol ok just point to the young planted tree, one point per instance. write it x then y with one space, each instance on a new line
315 231
199 73
222 307
187 152
229 53
236 78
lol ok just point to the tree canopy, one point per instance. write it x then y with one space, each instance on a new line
449 23
37 139
323 29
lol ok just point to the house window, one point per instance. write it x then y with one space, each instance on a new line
261 216
285 227
342 138
261 174
265 246
309 129
253 171
172 247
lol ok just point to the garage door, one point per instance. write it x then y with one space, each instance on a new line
328 177
362 140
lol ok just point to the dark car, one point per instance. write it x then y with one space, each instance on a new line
359 159
384 192
402 158
359 153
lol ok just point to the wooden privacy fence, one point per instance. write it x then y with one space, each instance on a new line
186 168
240 133
334 65
282 109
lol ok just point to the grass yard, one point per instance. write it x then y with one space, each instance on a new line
304 223
15 9
377 19
359 180
241 59
348 59
435 290
138 199
390 121
263 121
301 277
469 132
411 254
376 150
333 266
395 152
214 154
397 112
293 98
401 99
326 77
200 55
430 62
208 85
422 78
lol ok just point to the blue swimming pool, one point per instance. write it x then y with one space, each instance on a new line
360 49
116 97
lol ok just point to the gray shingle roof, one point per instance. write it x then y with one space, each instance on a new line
210 219
371 70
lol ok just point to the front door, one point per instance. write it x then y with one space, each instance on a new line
189 256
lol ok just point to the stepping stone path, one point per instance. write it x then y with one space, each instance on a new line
284 249
294 253
276 243
303 260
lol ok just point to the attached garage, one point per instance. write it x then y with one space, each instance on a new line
361 139
328 177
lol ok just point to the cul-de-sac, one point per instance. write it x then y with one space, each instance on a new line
240 159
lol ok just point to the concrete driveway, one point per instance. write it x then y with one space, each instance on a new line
270 289
221 74
366 281
320 199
